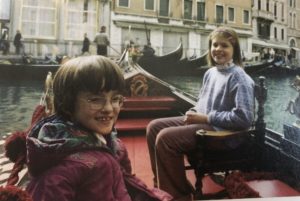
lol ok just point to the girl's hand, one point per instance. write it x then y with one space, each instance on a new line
192 117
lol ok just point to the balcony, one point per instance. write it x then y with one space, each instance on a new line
219 20
263 37
163 19
263 14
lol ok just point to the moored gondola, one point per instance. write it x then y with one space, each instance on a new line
27 68
152 62
186 66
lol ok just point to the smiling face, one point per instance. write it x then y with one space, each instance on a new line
97 112
221 50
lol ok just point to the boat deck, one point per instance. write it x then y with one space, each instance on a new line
162 101
138 153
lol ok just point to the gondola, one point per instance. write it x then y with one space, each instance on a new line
27 68
147 97
151 62
190 65
258 67
282 69
186 66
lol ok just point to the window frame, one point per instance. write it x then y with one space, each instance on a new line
216 14
204 16
191 14
168 9
228 14
128 4
36 22
248 17
154 5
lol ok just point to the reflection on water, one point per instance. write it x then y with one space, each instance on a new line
279 94
19 98
17 101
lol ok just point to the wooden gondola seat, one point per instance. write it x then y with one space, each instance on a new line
208 160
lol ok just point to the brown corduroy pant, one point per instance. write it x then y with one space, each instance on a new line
168 140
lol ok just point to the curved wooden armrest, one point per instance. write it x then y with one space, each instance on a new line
219 134
217 140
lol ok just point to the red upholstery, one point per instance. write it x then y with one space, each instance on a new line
272 188
132 124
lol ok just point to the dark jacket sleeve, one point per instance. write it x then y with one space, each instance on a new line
89 176
122 157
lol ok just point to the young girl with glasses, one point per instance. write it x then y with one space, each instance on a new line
75 154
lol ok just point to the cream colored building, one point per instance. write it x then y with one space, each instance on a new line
293 31
169 22
270 20
57 26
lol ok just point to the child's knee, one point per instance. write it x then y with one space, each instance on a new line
152 127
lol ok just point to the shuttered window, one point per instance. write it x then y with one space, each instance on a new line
164 7
188 9
124 3
201 11
149 4
231 14
219 14
246 17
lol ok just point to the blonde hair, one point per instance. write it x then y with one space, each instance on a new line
232 37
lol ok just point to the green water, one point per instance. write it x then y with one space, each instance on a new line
18 98
17 101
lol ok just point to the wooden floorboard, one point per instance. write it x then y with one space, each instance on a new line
138 153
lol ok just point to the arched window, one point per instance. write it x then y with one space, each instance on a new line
292 43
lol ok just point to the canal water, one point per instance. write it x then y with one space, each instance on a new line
17 101
19 98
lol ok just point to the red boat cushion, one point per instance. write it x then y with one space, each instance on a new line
272 188
258 184
132 124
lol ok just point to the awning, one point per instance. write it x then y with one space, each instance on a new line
296 49
270 45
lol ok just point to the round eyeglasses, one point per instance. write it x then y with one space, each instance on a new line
97 103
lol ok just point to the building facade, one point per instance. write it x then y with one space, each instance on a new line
293 34
57 27
164 23
5 13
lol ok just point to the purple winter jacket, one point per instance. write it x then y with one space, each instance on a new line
66 163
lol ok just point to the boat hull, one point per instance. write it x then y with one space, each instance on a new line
26 71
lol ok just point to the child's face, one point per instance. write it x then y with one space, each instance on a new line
98 112
221 50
